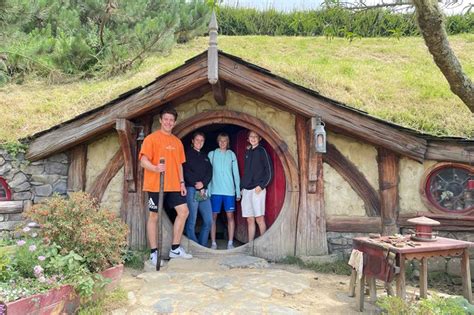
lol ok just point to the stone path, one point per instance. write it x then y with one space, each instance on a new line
235 285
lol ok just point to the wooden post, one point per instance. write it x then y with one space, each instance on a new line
128 145
388 182
311 236
423 277
360 293
134 209
401 289
76 177
466 275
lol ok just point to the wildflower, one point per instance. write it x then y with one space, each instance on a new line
41 258
42 279
26 229
32 248
20 242
34 234
32 224
38 270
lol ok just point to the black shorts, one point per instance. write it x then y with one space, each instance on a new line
172 199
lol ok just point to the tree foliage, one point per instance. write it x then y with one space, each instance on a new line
71 38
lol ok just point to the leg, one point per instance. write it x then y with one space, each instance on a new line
401 293
352 283
423 277
178 227
466 275
151 229
251 228
206 214
190 227
213 227
230 225
262 227
360 293
372 289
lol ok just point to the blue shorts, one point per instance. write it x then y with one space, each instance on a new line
218 200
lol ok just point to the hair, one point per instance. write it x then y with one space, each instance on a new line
223 135
250 131
199 133
169 110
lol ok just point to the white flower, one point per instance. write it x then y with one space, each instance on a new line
41 258
42 279
26 229
38 269
34 234
20 242
32 248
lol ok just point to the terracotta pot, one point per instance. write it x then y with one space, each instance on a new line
59 300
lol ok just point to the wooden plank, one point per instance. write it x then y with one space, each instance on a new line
174 84
466 276
354 224
355 179
424 278
218 90
128 145
76 178
311 226
100 184
459 151
134 209
7 207
388 167
277 91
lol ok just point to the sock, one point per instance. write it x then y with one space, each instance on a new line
173 247
230 242
214 242
153 250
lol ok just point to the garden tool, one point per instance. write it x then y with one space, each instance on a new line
161 195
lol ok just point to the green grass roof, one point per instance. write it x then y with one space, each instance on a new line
395 80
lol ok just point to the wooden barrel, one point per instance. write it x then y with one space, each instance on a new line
275 191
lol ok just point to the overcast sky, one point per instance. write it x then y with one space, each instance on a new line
299 5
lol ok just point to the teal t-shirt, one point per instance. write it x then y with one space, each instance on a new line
225 173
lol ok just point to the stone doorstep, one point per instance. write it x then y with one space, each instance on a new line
323 259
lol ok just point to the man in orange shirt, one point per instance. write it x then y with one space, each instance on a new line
163 144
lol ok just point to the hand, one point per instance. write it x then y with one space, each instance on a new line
258 190
202 192
159 168
184 192
199 185
237 199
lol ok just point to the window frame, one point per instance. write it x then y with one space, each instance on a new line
428 199
5 186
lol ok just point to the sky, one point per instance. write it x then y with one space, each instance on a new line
300 5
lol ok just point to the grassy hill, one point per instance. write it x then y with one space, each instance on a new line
392 79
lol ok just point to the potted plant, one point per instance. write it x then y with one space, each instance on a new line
68 247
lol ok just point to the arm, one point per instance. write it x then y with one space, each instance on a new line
181 180
268 167
146 164
235 172
207 178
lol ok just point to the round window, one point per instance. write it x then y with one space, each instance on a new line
449 188
5 193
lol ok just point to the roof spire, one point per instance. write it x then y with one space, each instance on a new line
212 54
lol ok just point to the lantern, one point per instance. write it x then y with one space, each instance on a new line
319 134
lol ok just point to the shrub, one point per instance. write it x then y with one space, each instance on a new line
76 224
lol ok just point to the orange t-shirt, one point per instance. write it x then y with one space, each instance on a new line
156 146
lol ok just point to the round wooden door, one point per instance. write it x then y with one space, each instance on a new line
275 191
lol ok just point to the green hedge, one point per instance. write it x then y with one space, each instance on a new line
331 22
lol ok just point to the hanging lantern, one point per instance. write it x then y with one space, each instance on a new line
319 134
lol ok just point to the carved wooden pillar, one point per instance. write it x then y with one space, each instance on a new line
388 164
311 236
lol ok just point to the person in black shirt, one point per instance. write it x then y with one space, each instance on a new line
258 172
197 175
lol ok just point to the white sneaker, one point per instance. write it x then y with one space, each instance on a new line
230 246
214 246
154 259
180 253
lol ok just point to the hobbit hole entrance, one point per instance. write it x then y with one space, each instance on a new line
275 191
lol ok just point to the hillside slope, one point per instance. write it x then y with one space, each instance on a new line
392 79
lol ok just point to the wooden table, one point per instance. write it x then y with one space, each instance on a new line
442 247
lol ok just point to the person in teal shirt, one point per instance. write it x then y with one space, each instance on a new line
224 187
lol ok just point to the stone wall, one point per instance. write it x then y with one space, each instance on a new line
33 181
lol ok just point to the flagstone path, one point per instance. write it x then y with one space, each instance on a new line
235 285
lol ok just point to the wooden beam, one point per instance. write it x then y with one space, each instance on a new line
355 179
76 178
462 152
354 224
172 85
388 165
311 236
277 91
100 184
218 90
128 145
8 207
448 222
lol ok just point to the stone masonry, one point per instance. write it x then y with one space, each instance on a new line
33 181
